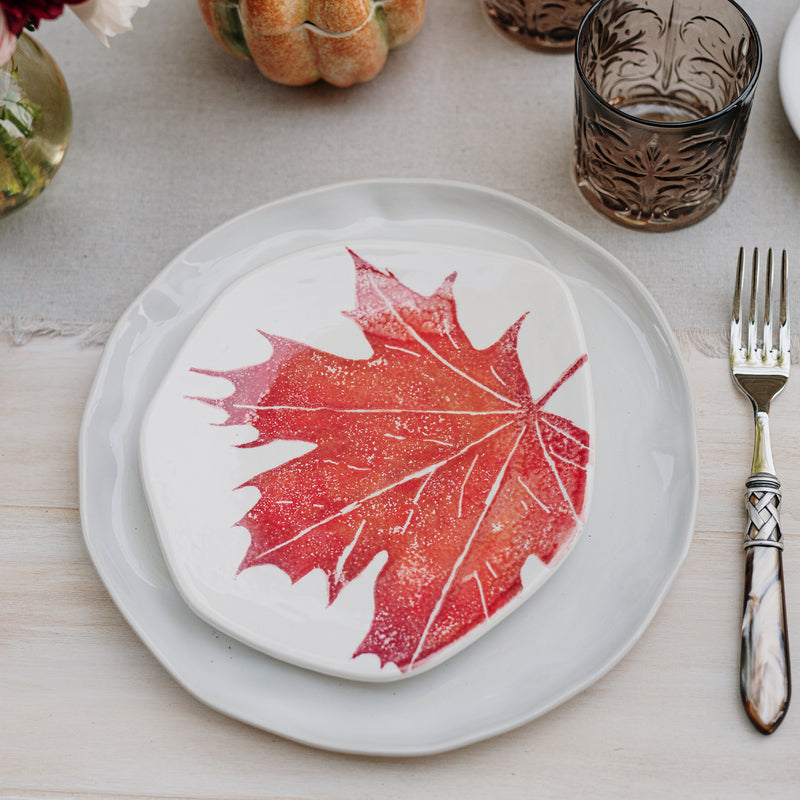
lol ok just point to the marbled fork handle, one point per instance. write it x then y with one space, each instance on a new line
761 369
765 677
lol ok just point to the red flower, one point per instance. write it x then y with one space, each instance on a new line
20 14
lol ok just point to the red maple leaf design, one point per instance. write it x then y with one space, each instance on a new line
429 450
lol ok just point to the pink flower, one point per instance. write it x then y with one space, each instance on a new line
21 13
8 41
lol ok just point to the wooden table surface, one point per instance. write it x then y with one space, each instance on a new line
87 711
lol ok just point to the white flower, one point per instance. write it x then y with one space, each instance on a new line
106 18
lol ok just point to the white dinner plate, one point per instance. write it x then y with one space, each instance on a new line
789 72
562 639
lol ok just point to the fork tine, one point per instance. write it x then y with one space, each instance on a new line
752 341
784 270
784 343
767 335
736 314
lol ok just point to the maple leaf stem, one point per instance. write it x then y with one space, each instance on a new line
565 376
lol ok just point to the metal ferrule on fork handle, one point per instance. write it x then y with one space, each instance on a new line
764 678
762 448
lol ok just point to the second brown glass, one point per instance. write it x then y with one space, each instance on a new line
547 25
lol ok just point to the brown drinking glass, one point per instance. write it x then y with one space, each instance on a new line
663 90
548 25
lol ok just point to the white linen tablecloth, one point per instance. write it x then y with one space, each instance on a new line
173 137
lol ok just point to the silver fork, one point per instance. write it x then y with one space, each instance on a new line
760 369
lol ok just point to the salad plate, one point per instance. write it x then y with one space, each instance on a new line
368 453
576 627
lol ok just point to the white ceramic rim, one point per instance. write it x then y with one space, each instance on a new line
789 72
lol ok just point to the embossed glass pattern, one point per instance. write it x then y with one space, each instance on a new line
663 90
550 25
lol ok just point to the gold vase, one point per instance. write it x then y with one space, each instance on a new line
35 123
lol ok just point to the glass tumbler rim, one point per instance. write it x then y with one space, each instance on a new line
742 97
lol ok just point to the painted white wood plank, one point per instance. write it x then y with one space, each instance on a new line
86 711
43 388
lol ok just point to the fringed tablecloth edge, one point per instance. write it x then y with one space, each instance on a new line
21 330
711 343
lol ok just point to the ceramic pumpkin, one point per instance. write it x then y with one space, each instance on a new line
297 42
